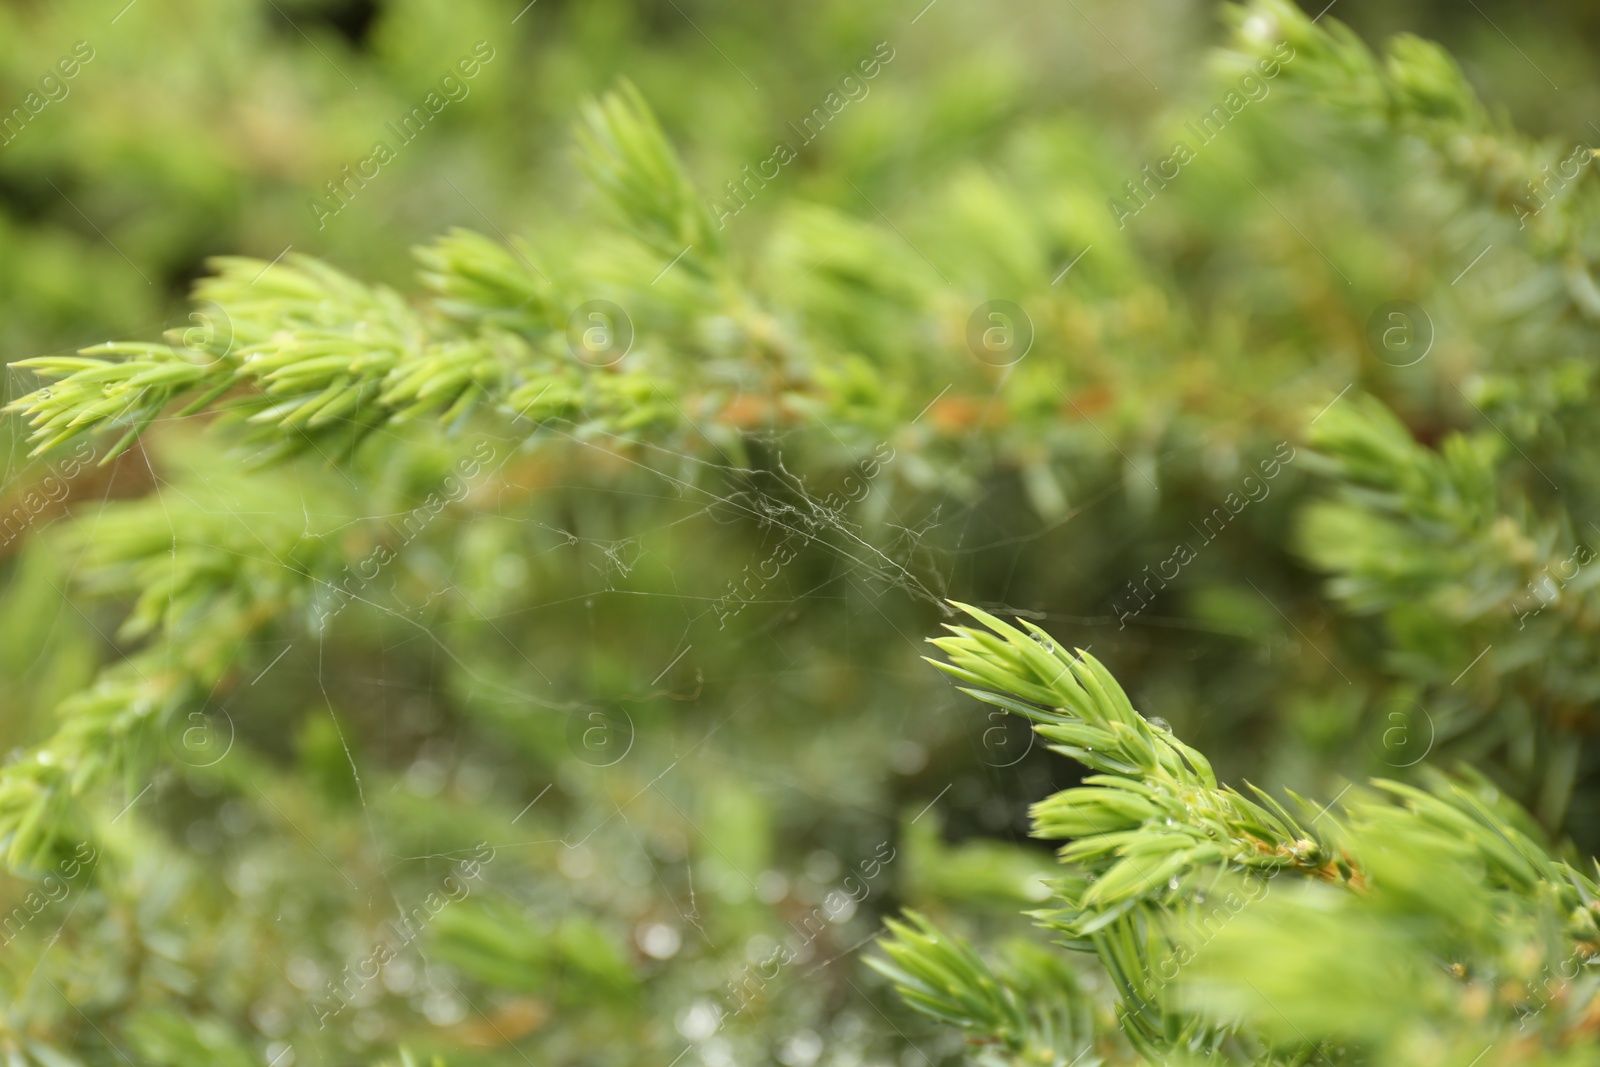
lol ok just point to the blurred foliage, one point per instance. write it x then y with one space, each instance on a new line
401 672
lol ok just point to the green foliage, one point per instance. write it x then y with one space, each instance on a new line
1420 923
1035 1014
518 665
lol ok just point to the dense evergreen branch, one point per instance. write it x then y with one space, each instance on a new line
1422 922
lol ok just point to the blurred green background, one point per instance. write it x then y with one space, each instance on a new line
695 791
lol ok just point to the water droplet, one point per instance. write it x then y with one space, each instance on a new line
1160 724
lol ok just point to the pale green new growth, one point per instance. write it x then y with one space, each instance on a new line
1417 923
1427 922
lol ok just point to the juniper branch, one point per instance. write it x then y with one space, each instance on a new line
1448 878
